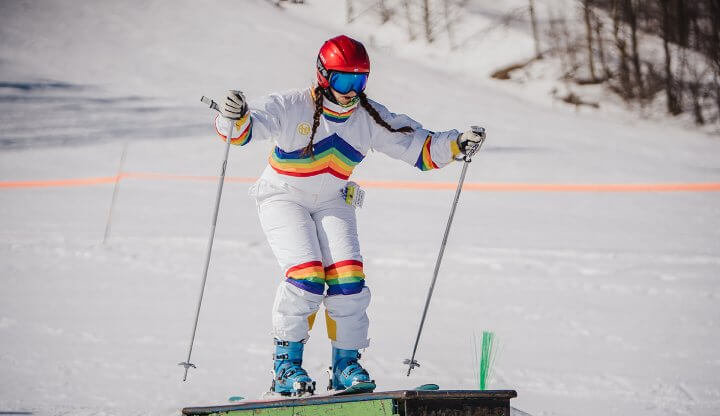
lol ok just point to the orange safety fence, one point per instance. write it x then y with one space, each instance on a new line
54 183
416 185
548 187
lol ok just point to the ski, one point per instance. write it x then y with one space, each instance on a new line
427 387
362 387
356 389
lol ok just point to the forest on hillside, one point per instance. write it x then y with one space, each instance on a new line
651 53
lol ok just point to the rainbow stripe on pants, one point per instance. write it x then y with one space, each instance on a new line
342 278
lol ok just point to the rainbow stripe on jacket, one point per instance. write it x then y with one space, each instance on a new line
345 277
333 155
244 137
308 276
425 161
337 117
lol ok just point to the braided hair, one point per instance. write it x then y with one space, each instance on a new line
318 95
376 116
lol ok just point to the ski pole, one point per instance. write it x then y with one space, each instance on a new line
411 362
113 201
187 364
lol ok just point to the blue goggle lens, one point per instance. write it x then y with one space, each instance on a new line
344 82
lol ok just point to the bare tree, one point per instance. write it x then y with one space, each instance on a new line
570 46
713 54
447 14
409 19
563 44
555 38
683 29
587 12
349 10
673 105
385 12
533 22
601 47
695 83
625 88
630 11
426 21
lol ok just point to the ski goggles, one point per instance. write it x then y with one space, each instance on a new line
344 82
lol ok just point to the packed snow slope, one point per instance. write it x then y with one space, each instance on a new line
605 302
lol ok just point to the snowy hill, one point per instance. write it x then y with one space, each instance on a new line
605 302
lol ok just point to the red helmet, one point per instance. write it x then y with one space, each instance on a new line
342 54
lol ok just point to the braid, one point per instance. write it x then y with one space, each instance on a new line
376 116
316 122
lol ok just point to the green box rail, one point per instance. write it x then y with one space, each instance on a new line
400 403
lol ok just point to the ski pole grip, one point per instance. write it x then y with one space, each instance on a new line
212 104
480 131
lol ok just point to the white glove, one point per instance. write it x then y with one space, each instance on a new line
235 105
470 138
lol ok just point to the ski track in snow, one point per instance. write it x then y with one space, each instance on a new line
80 115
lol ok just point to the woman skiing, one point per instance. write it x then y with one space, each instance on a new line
321 134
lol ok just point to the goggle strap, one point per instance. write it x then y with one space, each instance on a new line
323 71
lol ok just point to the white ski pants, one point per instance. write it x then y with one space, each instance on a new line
316 244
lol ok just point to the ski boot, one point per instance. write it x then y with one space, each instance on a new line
347 374
289 378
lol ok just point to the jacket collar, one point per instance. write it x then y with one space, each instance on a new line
335 112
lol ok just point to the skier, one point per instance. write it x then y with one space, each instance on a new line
321 133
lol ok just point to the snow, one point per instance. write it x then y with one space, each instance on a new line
605 303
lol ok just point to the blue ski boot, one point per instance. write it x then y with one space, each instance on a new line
289 378
347 374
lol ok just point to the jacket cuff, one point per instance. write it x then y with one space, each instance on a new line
242 129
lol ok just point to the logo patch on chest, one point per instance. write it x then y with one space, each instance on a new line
304 129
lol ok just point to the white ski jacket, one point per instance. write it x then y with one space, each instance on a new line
343 139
